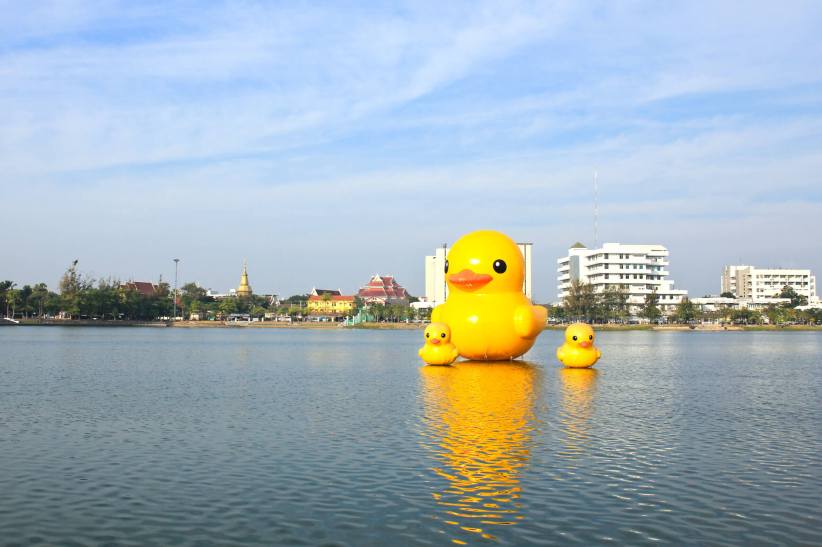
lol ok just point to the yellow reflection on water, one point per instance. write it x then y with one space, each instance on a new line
479 426
578 394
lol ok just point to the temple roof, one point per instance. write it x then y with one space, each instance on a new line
143 287
383 287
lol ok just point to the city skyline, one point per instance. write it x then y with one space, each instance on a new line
134 134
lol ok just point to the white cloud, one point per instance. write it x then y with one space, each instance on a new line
136 132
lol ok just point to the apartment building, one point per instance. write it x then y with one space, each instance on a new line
640 269
752 282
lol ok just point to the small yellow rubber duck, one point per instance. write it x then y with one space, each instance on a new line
438 349
490 318
578 351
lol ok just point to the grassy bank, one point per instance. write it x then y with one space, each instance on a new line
89 323
389 326
253 325
605 327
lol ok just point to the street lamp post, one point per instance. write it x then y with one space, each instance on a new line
174 315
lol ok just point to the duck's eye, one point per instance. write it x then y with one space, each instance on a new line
591 337
500 266
575 338
442 335
446 266
427 334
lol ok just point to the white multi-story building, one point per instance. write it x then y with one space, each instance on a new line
753 282
639 269
436 289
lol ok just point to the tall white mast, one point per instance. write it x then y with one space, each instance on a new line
596 210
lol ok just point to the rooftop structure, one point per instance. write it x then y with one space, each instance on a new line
143 287
639 269
383 290
320 292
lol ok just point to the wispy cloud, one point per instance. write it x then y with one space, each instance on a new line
365 136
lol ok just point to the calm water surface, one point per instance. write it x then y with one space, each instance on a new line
241 437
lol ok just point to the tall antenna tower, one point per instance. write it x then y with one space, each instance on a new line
596 210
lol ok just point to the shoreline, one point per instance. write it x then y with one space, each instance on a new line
387 326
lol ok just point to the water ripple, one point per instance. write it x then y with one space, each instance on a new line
167 437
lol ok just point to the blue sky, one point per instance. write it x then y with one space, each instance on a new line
327 141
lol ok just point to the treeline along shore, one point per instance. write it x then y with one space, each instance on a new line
82 298
83 301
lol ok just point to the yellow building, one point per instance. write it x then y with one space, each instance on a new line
330 304
244 290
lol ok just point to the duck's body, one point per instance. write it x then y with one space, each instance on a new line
491 327
489 317
578 351
438 349
576 357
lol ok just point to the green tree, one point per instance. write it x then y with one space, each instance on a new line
5 287
581 301
775 314
12 301
746 317
376 311
556 313
297 299
189 294
38 298
24 300
795 298
614 302
53 304
72 286
650 308
685 311
813 316
228 306
728 294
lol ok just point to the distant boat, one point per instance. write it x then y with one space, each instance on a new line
7 322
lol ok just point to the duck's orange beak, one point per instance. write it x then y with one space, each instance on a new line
435 341
585 344
469 280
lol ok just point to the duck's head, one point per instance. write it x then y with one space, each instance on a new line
437 333
580 334
485 261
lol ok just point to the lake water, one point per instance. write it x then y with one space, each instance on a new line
259 437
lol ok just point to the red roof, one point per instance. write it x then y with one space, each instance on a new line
143 287
383 287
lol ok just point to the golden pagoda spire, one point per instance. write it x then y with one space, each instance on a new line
244 290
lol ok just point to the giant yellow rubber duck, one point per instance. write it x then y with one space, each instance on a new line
490 318
438 349
578 351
